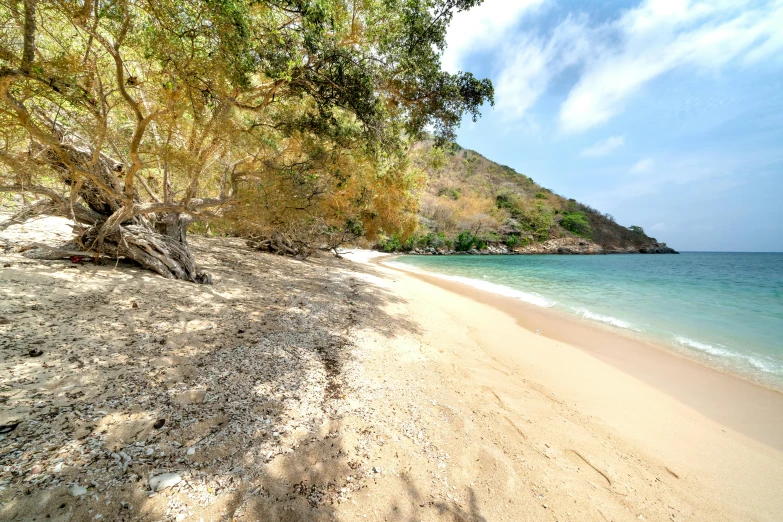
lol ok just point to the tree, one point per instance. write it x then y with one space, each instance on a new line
636 229
136 118
577 223
538 221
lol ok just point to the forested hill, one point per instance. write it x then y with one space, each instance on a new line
471 203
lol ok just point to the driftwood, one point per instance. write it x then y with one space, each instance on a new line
279 243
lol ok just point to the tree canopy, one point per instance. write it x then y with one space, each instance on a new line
289 116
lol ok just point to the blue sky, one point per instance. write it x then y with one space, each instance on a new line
665 114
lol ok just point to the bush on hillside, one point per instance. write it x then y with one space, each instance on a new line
515 241
538 221
448 192
429 240
577 223
467 240
510 201
389 244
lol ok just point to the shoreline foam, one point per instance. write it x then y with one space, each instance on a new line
627 350
722 359
527 297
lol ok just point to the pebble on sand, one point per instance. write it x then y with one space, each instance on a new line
77 491
166 480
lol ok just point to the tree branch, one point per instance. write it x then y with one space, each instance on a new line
28 50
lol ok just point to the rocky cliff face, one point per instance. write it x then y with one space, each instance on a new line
570 245
560 246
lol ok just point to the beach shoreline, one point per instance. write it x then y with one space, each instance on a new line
534 303
745 405
726 431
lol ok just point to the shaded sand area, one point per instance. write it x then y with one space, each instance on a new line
337 390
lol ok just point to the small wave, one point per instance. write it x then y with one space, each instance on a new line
756 362
708 348
608 319
486 286
765 366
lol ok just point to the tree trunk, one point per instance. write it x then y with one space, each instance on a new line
155 241
168 254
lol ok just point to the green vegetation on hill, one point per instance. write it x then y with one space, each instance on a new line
469 201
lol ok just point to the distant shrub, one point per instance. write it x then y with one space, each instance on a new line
467 240
390 244
353 226
540 195
577 223
429 240
449 192
464 241
538 221
509 201
636 229
513 241
505 200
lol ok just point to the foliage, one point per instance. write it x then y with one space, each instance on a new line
389 244
509 201
431 240
514 241
291 116
577 223
541 195
466 240
538 221
636 229
449 192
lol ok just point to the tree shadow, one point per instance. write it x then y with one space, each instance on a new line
248 378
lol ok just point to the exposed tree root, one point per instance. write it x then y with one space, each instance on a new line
168 256
281 244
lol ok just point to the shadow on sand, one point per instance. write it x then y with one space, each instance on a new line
248 376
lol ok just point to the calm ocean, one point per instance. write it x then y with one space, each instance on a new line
725 309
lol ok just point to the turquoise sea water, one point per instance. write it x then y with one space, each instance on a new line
725 309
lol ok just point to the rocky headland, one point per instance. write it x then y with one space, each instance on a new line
560 246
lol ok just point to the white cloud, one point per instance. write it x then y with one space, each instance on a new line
643 166
659 36
604 147
697 173
614 59
482 28
530 64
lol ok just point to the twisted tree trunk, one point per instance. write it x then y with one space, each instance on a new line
155 241
166 254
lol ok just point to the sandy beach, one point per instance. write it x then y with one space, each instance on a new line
335 389
712 431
